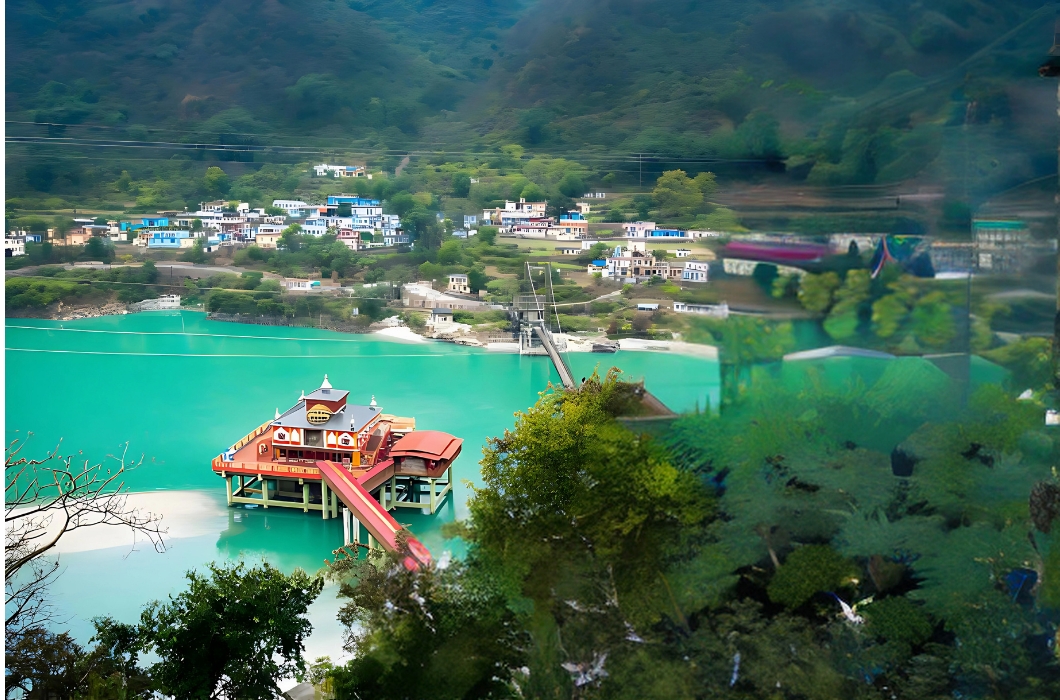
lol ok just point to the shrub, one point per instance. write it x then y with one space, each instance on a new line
806 572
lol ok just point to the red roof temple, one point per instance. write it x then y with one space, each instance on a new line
324 450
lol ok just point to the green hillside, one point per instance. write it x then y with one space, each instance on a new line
836 93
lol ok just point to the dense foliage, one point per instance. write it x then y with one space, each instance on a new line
603 565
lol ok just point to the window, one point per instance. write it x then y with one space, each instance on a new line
314 438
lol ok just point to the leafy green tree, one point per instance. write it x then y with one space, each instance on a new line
816 291
449 253
888 312
449 630
196 225
216 182
461 185
42 664
707 183
233 633
571 186
932 322
487 235
843 319
401 204
195 253
275 211
291 238
477 279
676 194
96 249
533 193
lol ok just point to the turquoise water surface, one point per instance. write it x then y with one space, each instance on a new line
179 389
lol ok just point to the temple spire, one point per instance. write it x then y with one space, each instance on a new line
326 384
277 413
373 401
302 397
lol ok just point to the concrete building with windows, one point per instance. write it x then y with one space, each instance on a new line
14 245
458 283
696 271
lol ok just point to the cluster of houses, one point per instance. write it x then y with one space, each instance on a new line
358 222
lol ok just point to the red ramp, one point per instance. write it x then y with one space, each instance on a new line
370 513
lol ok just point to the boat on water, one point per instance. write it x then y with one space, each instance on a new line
326 454
605 346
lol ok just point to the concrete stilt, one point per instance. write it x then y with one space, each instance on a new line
431 482
334 505
305 497
345 526
324 500
228 488
264 490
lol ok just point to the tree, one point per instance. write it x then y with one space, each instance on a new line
461 185
843 319
216 181
707 183
196 225
476 280
195 253
43 500
275 211
448 625
571 186
676 194
234 633
449 253
815 291
291 238
533 193
487 235
96 249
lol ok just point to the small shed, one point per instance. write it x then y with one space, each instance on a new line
442 315
646 306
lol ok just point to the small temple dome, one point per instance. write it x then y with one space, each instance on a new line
373 401
326 384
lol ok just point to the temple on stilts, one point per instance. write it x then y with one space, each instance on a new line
344 460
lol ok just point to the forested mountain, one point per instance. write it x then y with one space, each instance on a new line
846 92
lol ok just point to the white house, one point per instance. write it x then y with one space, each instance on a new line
289 205
599 266
638 229
14 246
514 213
301 285
458 283
324 170
696 271
680 252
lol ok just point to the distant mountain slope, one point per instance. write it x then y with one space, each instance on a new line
844 92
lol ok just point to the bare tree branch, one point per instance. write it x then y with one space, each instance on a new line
43 500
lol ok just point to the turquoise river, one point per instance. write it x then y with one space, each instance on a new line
179 389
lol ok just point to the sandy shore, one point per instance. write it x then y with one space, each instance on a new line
184 514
